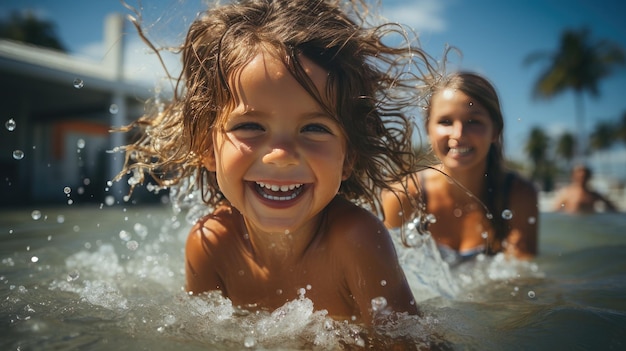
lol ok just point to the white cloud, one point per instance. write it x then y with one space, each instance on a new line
421 15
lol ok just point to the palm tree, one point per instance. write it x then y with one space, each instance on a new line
566 147
27 28
578 64
620 134
602 137
536 148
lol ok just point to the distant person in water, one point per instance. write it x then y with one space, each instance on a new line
292 111
478 205
578 197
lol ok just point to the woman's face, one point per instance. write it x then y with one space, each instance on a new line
460 130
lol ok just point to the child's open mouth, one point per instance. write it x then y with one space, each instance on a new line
278 192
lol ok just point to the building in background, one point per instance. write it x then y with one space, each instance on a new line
56 113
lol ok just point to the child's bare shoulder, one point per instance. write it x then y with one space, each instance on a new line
214 229
352 224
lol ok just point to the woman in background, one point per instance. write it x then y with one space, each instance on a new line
478 206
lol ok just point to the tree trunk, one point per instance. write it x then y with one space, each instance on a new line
581 149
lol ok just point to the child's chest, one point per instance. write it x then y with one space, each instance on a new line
251 285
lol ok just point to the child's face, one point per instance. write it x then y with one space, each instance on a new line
280 158
460 129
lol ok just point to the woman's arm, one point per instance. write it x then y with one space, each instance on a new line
523 235
398 207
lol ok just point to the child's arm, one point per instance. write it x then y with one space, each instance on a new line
200 273
371 265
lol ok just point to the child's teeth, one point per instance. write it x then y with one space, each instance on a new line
275 187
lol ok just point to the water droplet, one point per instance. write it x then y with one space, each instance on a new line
279 291
114 109
80 143
249 342
457 212
18 154
489 215
413 240
507 214
78 83
531 294
383 283
141 230
124 235
169 319
132 245
10 125
471 103
532 220
73 275
430 218
34 259
484 235
36 214
286 231
60 218
67 190
109 200
379 303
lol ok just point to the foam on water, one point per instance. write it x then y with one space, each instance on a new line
105 292
143 293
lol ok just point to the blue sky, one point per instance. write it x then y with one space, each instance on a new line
494 37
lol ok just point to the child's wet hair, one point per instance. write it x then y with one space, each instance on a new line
370 89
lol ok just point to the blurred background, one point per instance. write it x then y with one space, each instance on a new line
70 70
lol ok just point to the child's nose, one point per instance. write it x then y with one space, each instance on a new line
281 155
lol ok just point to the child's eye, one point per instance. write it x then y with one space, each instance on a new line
247 126
316 128
445 122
